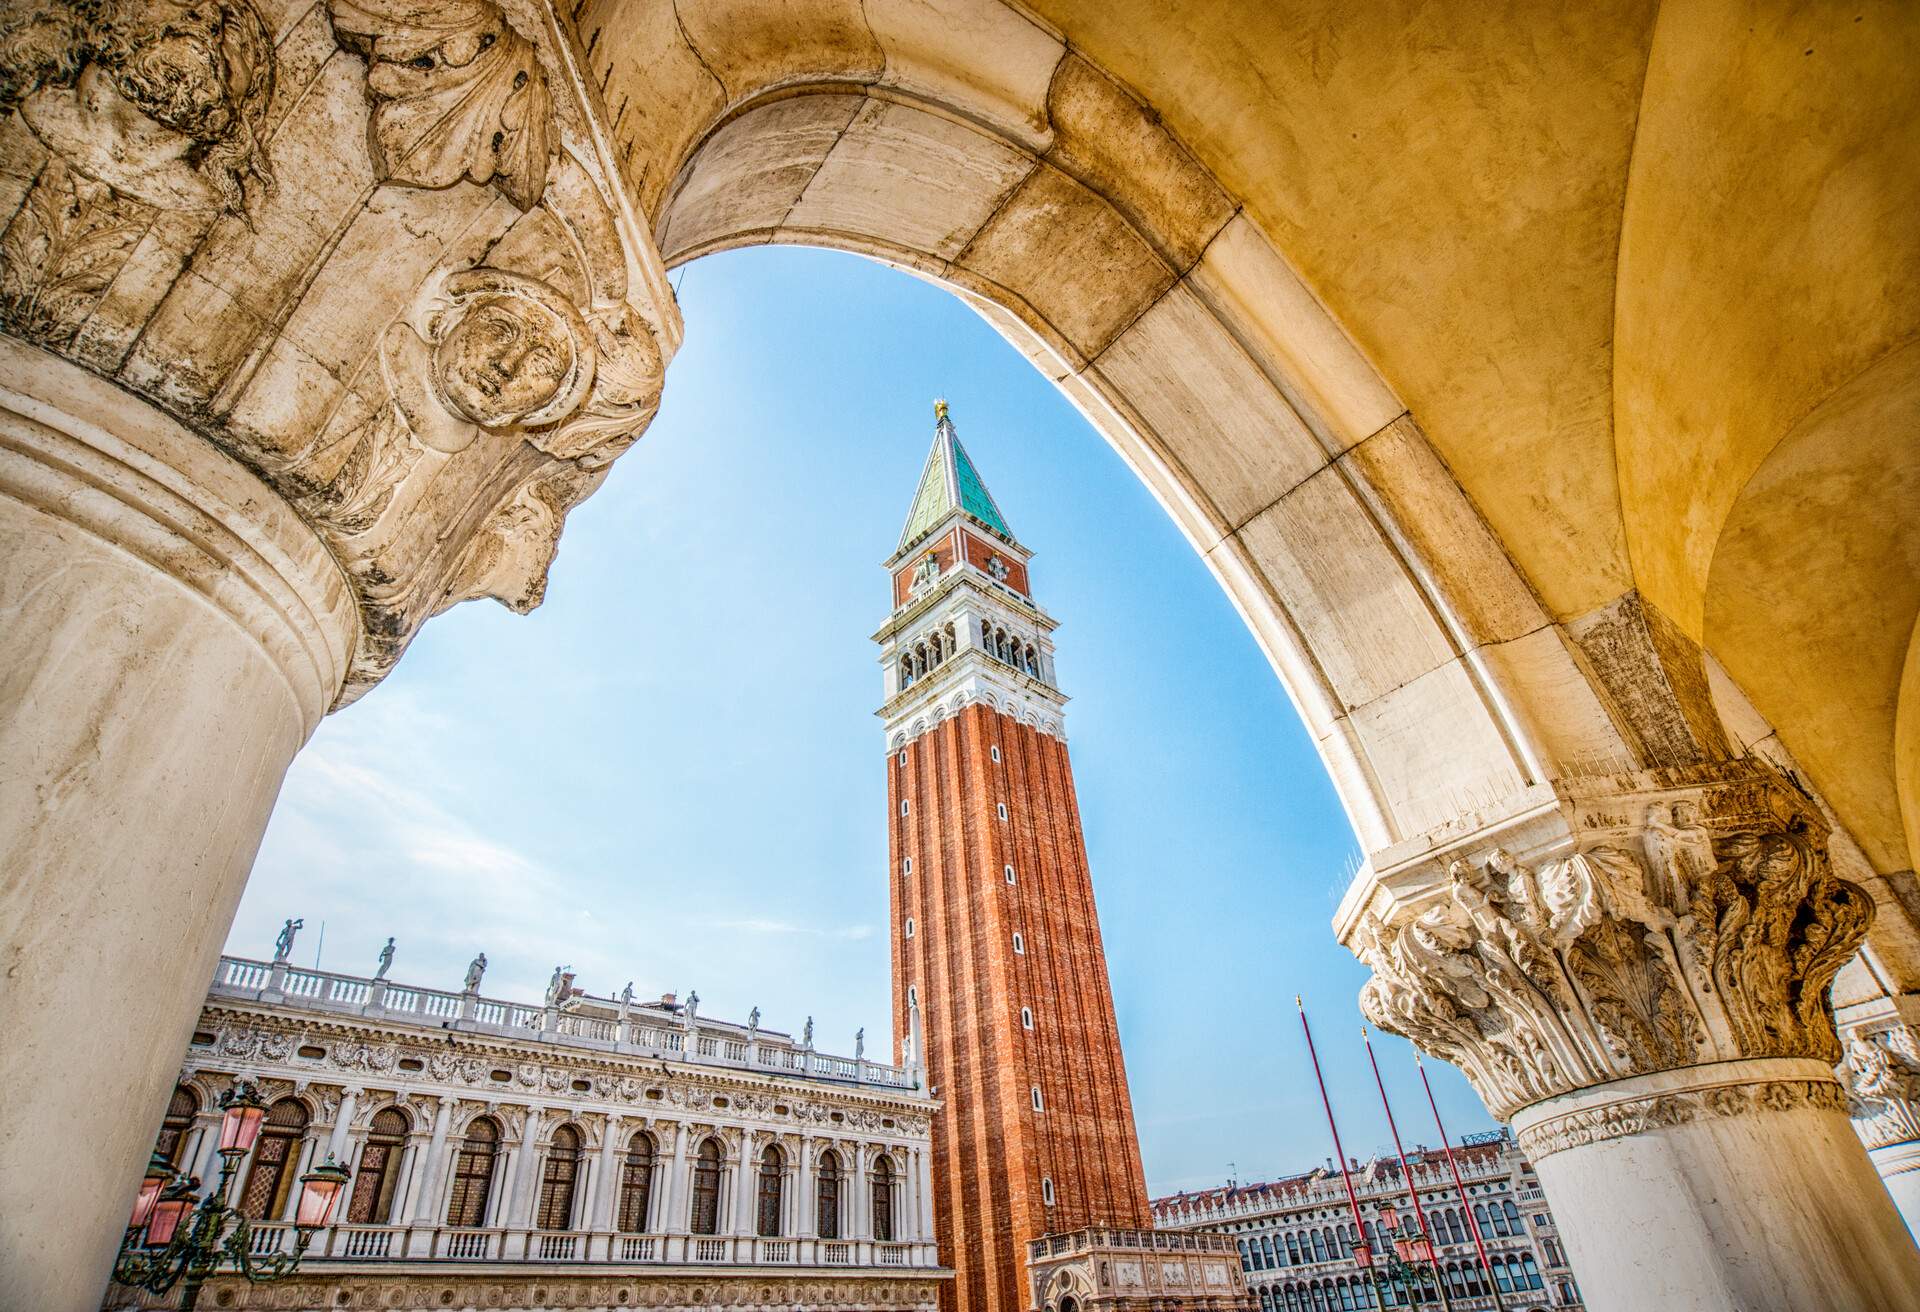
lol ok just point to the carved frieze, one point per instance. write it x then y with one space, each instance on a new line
1664 927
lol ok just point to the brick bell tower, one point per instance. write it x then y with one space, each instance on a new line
999 978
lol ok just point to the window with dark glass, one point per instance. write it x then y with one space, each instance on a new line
473 1174
275 1157
827 1196
636 1184
181 1109
767 1205
558 1177
379 1173
883 1188
706 1189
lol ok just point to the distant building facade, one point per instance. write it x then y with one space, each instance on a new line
1295 1235
588 1152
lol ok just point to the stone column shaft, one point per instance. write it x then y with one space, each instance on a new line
426 1204
1634 971
170 634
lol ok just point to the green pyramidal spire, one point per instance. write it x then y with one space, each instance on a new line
949 480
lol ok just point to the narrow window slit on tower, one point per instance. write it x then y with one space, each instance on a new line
1002 808
1010 878
1019 944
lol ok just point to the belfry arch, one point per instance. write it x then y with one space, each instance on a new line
1427 432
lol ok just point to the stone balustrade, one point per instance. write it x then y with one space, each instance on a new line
646 1034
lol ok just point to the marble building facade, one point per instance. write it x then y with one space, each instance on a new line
581 1152
1295 1234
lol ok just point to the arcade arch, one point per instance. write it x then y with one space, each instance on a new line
1400 362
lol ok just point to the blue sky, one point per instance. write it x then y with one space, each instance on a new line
671 772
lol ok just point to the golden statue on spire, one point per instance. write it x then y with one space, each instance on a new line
939 408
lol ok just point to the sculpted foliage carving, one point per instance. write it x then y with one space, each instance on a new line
1882 1078
457 94
1713 937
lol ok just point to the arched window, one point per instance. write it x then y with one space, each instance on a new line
557 1180
379 1172
1501 1276
1553 1251
826 1193
181 1109
1346 1242
1530 1270
1480 1218
767 1205
1513 1216
473 1174
1266 1249
1455 1230
276 1156
906 672
1319 1246
883 1199
1319 1297
1246 1262
1293 1249
1266 1299
706 1189
636 1184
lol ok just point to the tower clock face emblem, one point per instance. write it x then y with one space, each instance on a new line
998 568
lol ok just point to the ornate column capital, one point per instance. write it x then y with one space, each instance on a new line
384 258
1614 927
1881 1074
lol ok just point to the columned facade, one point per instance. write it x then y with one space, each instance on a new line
552 1156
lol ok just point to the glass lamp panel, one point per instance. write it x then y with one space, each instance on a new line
239 1127
165 1220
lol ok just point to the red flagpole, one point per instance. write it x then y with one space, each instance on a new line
1359 1228
1420 1215
1473 1226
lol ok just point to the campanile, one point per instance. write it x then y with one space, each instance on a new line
998 970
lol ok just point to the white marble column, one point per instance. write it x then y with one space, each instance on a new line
746 1186
607 1181
342 1123
426 1202
675 1224
1634 972
170 634
526 1184
1882 1076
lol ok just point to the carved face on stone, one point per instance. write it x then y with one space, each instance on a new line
511 352
162 100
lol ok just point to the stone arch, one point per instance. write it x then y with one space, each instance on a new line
1271 442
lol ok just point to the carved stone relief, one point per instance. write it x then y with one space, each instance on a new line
1671 926
431 335
1881 1074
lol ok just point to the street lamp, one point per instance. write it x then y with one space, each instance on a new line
171 1241
1409 1257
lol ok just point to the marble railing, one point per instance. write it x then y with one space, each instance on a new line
414 1244
1163 1241
647 1034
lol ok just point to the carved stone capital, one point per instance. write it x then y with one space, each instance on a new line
1612 928
384 259
1881 1073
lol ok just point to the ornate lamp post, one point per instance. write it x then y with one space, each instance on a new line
1408 1257
172 1241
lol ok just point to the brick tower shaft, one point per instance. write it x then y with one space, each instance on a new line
998 965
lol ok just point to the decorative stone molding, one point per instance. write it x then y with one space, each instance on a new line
1663 1111
1614 928
1881 1074
382 258
557 1288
